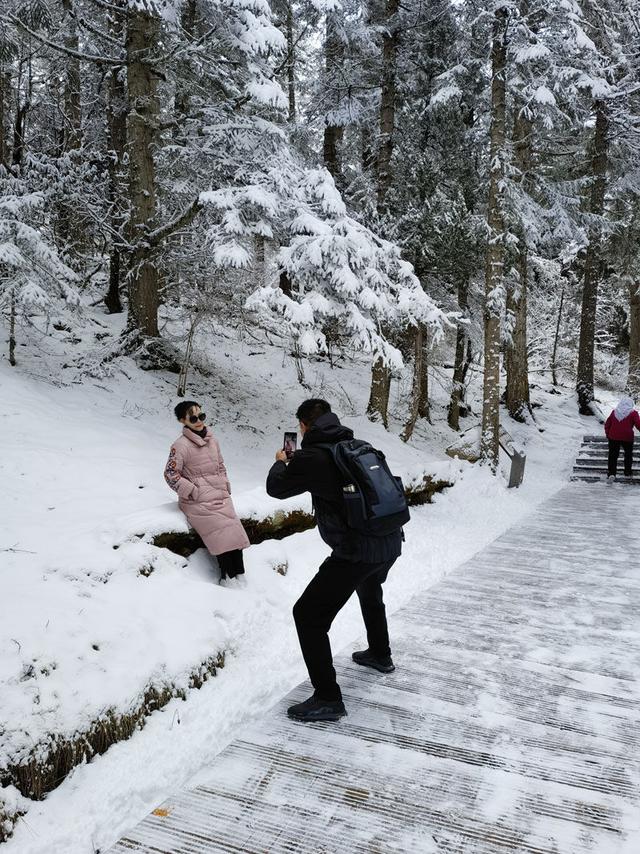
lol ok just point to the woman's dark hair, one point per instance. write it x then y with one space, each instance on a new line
183 407
309 411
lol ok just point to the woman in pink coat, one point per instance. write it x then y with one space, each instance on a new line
195 470
618 429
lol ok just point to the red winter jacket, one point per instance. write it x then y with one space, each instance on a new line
622 431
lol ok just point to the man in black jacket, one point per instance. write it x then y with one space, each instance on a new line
357 563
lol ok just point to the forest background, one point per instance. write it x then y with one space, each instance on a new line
452 185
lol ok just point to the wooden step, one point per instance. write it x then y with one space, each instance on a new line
599 443
604 452
601 465
599 477
594 462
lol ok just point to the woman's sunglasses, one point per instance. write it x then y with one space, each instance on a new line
195 418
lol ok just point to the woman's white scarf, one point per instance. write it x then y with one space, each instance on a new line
624 408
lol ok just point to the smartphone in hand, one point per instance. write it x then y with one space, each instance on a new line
290 444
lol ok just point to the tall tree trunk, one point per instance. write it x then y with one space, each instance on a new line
12 329
368 154
19 128
592 264
516 355
417 388
285 284
378 406
554 353
633 378
494 267
182 101
143 33
72 87
333 135
387 102
332 59
377 409
261 259
116 159
291 62
5 114
67 225
424 405
457 388
23 105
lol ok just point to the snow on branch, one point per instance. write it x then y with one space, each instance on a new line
32 274
342 272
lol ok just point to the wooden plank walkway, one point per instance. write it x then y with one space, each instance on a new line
512 723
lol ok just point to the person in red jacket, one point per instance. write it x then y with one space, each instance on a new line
619 431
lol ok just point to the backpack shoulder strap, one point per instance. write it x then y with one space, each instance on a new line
333 450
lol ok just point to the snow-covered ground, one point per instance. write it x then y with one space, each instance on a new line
82 630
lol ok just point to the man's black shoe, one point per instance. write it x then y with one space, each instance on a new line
367 659
315 709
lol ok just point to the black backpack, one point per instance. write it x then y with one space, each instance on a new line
374 499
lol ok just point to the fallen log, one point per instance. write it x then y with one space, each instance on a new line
282 524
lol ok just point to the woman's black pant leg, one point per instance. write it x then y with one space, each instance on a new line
628 457
231 563
614 452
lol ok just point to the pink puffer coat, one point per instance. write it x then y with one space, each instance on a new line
195 470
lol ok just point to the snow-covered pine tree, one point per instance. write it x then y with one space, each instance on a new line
342 273
34 281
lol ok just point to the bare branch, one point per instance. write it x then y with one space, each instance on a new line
76 54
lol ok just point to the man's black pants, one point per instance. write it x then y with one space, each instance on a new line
316 609
614 452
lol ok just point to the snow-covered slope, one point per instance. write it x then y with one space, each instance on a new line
82 630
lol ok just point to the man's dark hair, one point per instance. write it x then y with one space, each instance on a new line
309 411
183 407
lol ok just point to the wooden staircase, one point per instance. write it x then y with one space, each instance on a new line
591 464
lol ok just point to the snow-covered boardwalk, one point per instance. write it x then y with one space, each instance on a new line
511 724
